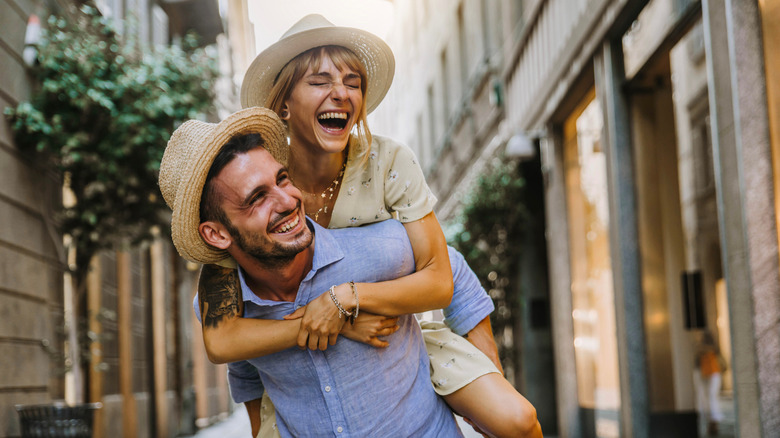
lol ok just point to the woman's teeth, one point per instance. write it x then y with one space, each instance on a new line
288 226
333 116
332 121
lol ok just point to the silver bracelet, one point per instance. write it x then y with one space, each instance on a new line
342 311
357 302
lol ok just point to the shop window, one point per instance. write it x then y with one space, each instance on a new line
593 308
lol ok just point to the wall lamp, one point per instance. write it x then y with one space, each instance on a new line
521 145
31 38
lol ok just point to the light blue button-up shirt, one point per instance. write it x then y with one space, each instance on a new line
352 389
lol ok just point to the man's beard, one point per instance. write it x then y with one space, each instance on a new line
275 256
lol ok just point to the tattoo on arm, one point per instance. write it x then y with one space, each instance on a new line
219 292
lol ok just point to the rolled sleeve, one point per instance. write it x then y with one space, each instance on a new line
470 303
244 381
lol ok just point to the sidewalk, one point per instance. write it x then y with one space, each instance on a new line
237 425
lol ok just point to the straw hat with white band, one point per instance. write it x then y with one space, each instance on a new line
314 31
186 163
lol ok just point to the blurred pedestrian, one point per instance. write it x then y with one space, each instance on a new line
710 365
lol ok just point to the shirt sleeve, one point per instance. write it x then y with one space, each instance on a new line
470 303
196 308
405 188
244 381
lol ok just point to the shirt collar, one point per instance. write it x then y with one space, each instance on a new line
326 251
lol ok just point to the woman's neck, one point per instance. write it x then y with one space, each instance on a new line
313 173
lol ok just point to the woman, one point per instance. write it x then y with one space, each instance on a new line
711 365
322 80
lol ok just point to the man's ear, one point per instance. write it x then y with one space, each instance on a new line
215 234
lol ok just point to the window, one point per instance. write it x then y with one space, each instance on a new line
593 310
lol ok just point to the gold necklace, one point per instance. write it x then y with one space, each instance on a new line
328 192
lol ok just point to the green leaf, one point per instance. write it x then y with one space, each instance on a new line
102 113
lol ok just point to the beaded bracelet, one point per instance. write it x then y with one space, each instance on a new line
342 311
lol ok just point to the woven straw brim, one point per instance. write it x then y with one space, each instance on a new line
375 54
186 163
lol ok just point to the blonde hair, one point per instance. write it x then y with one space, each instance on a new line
294 70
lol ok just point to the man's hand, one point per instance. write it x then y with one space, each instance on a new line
253 409
368 327
321 321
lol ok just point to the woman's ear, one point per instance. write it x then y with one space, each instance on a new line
215 234
284 114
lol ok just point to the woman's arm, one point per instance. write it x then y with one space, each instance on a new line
228 337
429 288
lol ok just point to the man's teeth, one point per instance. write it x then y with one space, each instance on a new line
333 116
290 225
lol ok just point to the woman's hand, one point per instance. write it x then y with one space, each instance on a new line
321 321
368 327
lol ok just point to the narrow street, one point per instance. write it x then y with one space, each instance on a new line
237 425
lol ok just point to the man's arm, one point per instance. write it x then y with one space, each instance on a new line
253 409
219 290
482 337
227 336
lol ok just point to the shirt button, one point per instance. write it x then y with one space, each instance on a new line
327 389
339 429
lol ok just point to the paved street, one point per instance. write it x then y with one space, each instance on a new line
237 425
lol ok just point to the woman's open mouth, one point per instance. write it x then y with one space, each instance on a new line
333 121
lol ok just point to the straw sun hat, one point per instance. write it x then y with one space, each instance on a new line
314 31
186 163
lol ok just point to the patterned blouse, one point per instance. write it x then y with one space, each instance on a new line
389 183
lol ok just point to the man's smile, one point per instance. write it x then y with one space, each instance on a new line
288 225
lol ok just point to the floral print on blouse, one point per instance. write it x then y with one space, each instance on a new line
389 183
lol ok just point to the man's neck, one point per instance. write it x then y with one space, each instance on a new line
277 282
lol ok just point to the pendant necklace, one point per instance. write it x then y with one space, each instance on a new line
329 192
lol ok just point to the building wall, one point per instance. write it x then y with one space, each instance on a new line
669 210
439 103
31 261
447 103
142 367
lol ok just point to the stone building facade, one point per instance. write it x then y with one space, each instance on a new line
148 369
656 130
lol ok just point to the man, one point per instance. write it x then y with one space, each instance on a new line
351 388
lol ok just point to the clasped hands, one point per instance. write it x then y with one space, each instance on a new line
321 322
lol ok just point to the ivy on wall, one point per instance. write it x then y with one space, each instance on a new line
102 111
